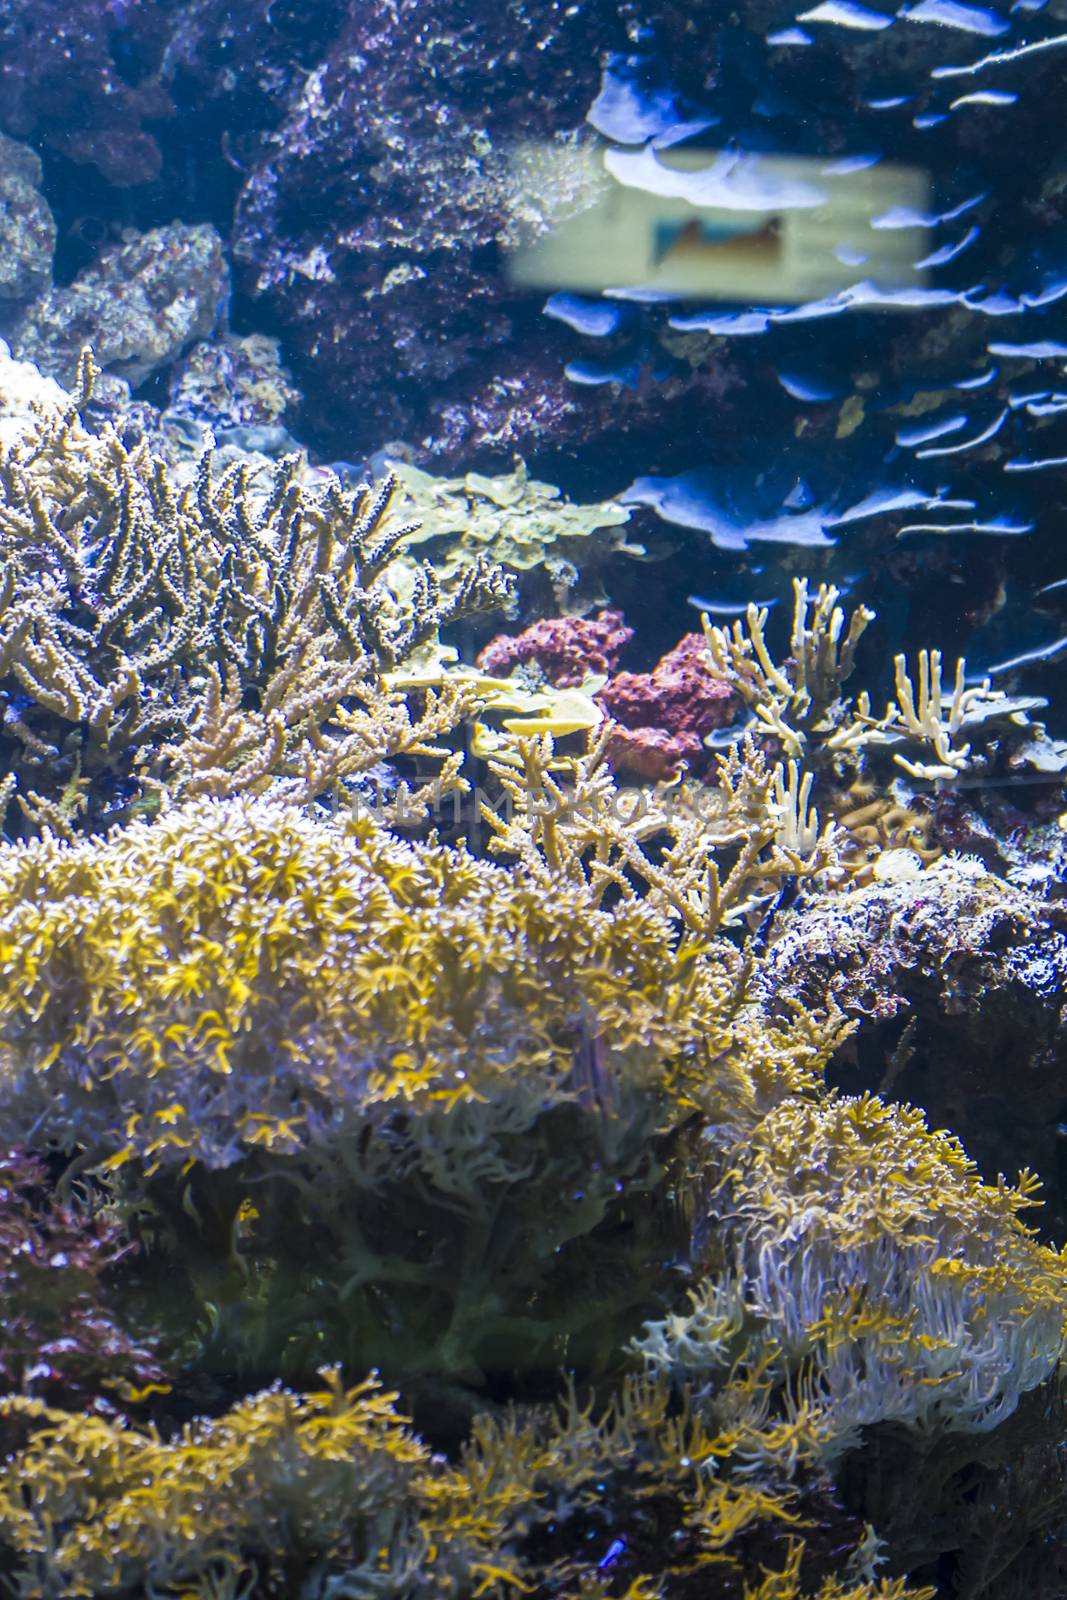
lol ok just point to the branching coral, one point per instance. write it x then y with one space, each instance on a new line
803 696
799 705
134 614
726 850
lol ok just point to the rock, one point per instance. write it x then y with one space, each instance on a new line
566 649
958 983
232 383
663 716
27 227
139 306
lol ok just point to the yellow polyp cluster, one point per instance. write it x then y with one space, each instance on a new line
579 1488
875 824
330 1492
265 1491
371 1044
208 982
872 1275
786 1584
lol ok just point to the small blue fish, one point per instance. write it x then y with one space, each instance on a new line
951 14
614 1551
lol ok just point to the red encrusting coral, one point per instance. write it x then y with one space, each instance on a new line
662 717
567 649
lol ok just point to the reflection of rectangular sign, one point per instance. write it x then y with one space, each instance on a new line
716 225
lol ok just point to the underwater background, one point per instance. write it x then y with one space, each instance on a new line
533 746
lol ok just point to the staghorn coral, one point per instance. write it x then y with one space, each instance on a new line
801 698
930 736
567 819
925 729
208 639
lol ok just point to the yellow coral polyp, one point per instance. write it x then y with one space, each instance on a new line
285 958
91 1506
894 1282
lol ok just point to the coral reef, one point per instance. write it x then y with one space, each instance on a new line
457 1113
242 647
481 1121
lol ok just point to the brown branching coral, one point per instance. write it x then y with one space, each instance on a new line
726 849
801 698
928 735
801 706
135 614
